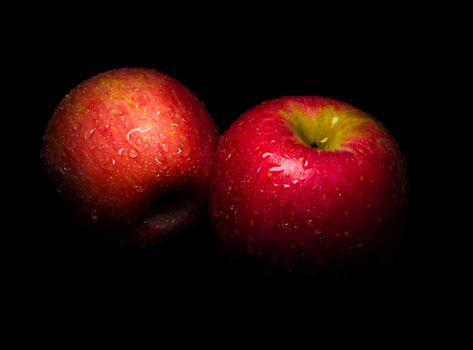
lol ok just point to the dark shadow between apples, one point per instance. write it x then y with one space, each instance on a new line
171 214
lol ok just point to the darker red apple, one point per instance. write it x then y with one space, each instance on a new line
309 181
132 150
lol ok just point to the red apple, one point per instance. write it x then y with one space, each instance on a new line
132 150
309 181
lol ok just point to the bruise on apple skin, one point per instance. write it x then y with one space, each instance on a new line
121 139
275 197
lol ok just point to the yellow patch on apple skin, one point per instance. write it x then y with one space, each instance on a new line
327 128
114 86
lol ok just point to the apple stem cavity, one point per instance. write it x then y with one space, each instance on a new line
325 129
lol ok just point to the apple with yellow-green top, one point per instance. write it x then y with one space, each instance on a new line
131 150
309 181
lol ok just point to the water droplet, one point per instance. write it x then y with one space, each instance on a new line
133 153
347 233
116 113
362 178
76 126
277 168
139 188
164 147
286 185
215 212
317 230
158 113
285 225
273 141
175 125
141 130
178 151
120 151
186 151
229 156
266 154
295 181
306 163
94 216
64 169
113 161
89 134
161 164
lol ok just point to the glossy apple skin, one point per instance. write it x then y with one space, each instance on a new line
279 200
131 149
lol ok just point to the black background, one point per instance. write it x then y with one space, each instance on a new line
406 65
